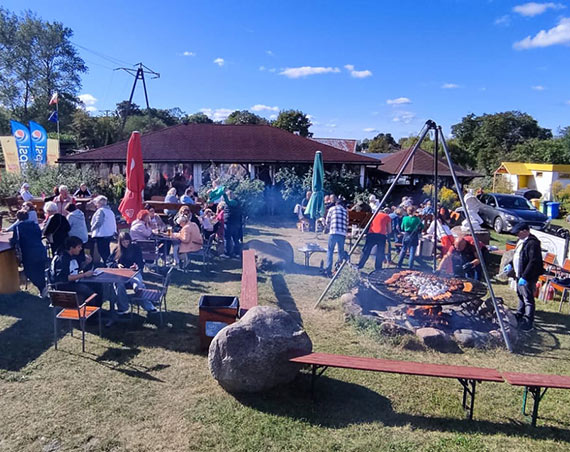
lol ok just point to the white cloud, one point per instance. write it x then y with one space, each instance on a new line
188 53
369 130
538 88
403 116
261 107
88 99
262 68
218 114
304 71
357 74
274 116
269 52
532 9
219 61
568 102
91 109
449 86
399 101
545 38
272 69
330 125
505 20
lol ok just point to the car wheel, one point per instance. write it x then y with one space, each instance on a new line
498 225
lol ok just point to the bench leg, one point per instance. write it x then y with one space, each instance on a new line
537 395
468 389
315 373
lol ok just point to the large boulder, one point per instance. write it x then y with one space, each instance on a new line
251 355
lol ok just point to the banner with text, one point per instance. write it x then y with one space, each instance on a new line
39 143
23 142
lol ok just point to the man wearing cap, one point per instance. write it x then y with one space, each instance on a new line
527 265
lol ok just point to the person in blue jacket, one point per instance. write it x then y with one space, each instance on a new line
28 237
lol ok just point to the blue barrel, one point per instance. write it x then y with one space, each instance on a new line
553 210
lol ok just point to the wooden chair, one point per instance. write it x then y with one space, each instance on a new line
155 293
72 309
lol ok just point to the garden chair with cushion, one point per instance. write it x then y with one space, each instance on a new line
72 309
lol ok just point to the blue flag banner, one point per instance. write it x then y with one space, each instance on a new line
53 117
23 142
39 143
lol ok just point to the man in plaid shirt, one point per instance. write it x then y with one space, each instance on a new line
337 222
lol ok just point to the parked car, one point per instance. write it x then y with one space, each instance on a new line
529 193
503 212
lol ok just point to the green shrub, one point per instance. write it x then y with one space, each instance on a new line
248 192
447 197
44 179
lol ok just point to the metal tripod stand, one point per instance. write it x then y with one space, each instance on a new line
430 125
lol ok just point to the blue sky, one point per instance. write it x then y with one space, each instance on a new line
357 67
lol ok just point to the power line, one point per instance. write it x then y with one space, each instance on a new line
115 61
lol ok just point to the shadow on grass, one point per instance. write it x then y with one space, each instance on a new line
119 360
30 333
284 298
339 404
544 337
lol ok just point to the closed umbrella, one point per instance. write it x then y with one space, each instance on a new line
316 205
133 199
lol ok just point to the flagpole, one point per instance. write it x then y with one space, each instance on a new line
57 113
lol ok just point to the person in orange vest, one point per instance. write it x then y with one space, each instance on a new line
378 231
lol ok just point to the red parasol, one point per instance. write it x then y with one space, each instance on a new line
132 201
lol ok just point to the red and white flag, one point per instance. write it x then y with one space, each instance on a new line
53 99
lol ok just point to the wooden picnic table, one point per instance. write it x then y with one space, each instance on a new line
9 274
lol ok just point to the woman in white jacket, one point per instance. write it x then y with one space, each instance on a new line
103 227
76 220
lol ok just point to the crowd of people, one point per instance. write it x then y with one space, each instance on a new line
404 225
70 242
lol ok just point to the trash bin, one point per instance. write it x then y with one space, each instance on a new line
553 210
544 207
215 313
536 203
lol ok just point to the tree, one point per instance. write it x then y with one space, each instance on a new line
489 139
383 143
198 118
143 123
240 117
542 151
37 59
123 109
293 121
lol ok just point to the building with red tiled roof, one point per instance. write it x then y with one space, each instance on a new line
344 144
194 148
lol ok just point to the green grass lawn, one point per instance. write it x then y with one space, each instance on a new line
143 387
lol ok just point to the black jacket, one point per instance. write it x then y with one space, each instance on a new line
530 263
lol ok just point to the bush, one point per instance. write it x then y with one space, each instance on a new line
44 179
447 197
248 192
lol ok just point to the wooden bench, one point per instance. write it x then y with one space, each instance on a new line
248 296
536 384
466 375
160 206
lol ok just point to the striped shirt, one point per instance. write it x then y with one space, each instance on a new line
337 220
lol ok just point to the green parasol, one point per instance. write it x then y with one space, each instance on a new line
316 205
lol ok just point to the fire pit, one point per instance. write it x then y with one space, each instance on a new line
416 287
436 308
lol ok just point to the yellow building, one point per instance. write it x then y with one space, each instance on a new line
538 176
